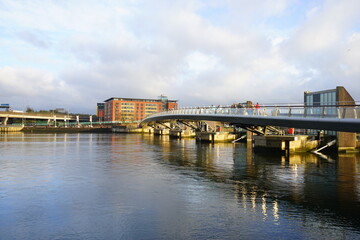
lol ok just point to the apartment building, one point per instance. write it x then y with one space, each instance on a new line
135 109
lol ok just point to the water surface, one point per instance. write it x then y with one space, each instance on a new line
115 186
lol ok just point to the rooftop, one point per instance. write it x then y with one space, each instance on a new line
137 99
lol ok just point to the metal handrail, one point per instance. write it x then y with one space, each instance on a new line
339 111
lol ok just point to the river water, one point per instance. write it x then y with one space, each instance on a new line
124 186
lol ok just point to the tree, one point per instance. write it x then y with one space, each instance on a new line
29 109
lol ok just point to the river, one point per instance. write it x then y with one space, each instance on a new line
129 186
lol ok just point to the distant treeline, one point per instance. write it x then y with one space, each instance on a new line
31 110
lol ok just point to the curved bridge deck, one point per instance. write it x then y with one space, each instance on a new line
333 118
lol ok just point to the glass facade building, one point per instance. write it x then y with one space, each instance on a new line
326 102
317 101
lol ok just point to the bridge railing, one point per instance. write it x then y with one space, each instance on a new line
292 110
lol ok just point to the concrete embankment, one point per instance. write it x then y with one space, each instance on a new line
10 128
66 130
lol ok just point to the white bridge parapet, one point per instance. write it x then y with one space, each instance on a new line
325 117
293 110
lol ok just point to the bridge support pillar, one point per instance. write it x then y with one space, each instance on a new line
161 131
287 148
284 143
215 137
6 120
249 136
346 141
179 133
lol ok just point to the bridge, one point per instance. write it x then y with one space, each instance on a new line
59 119
6 115
344 118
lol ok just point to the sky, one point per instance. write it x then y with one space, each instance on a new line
73 54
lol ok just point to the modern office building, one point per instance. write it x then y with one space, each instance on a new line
333 99
329 102
135 109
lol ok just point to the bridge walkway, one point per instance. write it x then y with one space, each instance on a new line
329 117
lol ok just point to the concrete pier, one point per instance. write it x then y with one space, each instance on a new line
161 131
287 143
215 136
346 142
178 133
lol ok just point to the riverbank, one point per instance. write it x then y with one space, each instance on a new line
103 129
4 129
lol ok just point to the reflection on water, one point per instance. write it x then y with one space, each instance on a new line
114 186
330 186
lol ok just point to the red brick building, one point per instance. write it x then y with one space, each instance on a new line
134 109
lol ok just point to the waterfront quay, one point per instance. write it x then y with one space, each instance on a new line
145 186
72 129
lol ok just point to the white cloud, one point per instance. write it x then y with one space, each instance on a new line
199 63
199 52
327 27
21 87
28 82
351 56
